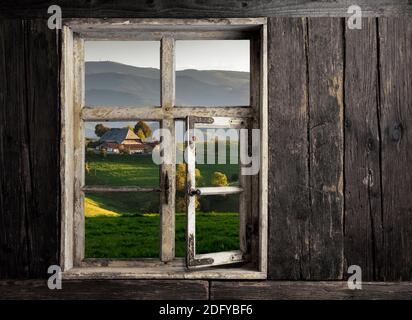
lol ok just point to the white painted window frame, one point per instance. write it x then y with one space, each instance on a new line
74 113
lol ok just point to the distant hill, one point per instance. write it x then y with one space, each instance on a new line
111 83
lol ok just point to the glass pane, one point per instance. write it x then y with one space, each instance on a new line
122 73
217 223
212 73
122 225
217 157
180 203
120 153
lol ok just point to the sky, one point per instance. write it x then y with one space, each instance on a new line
190 54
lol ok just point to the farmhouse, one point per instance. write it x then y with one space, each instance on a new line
123 140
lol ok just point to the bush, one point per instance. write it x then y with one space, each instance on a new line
181 177
219 179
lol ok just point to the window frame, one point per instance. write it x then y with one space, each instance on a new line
74 113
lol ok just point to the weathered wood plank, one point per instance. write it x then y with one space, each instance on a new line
106 290
78 152
363 199
325 134
66 147
42 76
395 59
288 150
29 144
153 113
166 271
200 9
168 167
119 189
209 191
299 290
14 258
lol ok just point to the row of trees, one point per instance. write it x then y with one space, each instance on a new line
141 129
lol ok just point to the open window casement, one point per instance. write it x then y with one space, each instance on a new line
194 260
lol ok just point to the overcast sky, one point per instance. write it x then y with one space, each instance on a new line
190 54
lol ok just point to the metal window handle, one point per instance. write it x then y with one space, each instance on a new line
194 192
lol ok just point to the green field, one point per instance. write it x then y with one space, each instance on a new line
126 225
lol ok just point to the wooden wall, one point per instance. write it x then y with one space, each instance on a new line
340 154
340 122
29 148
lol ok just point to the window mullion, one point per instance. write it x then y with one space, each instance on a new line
168 169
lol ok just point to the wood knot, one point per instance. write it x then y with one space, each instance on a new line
396 132
371 144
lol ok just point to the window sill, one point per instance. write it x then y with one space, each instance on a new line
164 272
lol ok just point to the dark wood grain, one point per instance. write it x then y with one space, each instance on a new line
29 148
107 290
288 151
395 47
307 290
202 9
14 258
363 200
325 137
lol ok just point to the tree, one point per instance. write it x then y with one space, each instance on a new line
181 187
141 134
219 179
145 129
100 129
181 177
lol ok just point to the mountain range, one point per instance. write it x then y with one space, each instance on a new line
111 83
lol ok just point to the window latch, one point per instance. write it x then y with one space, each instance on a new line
194 192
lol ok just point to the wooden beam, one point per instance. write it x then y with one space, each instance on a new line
204 9
119 189
107 290
289 208
29 148
307 290
66 147
168 167
209 191
363 196
99 113
78 152
395 112
325 135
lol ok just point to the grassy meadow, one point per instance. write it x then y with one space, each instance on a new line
126 225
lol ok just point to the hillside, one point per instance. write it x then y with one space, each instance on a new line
111 83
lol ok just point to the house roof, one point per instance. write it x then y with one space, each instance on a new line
118 135
112 145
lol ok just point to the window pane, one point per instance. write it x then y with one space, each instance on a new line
217 223
212 73
122 225
120 153
122 73
217 158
